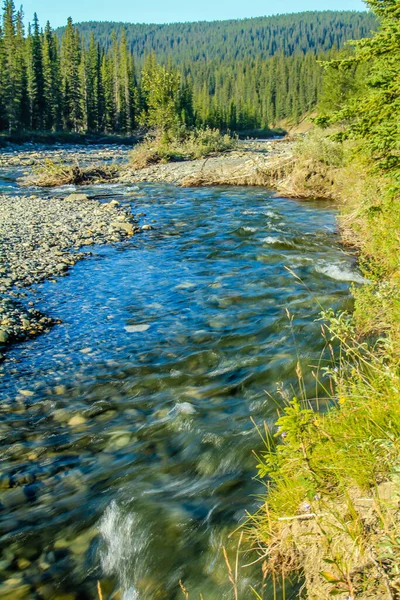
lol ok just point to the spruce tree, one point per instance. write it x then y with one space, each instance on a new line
71 78
51 81
13 81
35 79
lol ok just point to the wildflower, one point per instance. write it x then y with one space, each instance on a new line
284 434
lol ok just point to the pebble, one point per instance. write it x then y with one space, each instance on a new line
136 328
76 420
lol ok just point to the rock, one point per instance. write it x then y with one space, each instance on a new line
137 328
77 197
146 227
26 393
15 590
4 336
112 204
60 390
23 564
122 226
76 420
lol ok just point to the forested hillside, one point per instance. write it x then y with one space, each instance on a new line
237 39
232 75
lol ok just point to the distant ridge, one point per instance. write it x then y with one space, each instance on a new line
236 39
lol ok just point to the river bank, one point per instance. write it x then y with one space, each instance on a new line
258 162
41 238
251 163
275 164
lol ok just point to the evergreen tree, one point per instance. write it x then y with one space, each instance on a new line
374 115
53 101
71 78
35 79
94 85
13 80
162 89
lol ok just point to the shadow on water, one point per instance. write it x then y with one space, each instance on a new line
126 434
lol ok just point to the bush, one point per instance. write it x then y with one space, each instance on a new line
184 145
318 147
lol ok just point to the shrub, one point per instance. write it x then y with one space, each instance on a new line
184 145
318 147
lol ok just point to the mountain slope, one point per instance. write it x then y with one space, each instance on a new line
260 37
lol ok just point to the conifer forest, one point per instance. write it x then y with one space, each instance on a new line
234 75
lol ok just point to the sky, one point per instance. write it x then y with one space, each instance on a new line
169 11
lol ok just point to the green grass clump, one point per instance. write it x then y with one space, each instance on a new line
185 145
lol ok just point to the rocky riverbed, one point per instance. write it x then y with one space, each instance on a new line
258 162
31 155
41 239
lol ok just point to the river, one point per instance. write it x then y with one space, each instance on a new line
127 430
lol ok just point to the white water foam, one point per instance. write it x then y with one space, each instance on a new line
340 272
270 240
125 543
249 229
183 408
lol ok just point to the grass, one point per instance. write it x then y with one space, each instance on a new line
188 145
51 174
333 478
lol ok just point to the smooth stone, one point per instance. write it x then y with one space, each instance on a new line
146 227
76 420
136 328
4 336
17 590
77 197
60 390
26 393
23 564
98 408
119 442
122 226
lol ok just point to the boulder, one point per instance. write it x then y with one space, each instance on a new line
77 197
123 226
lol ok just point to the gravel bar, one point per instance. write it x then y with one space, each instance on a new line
39 239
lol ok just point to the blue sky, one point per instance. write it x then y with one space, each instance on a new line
168 11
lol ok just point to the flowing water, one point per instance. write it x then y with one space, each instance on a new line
127 429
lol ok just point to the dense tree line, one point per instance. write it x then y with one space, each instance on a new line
50 85
68 82
230 40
